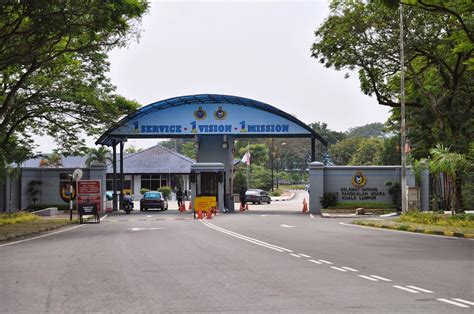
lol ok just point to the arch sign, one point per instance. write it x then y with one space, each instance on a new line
208 115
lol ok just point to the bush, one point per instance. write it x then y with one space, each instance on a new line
20 217
277 192
143 191
461 220
328 199
395 190
166 191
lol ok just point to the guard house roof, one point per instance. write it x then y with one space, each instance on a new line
156 159
116 132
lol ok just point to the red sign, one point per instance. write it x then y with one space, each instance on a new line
88 196
88 187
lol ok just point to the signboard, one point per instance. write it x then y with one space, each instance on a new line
205 203
210 119
88 197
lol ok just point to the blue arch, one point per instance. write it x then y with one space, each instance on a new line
108 136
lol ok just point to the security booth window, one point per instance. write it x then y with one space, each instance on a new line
209 183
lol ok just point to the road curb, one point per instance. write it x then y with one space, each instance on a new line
402 227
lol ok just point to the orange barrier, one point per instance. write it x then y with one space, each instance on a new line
190 205
305 206
241 207
209 214
199 212
182 208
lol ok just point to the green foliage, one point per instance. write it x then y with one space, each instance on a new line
34 189
375 129
132 150
329 199
395 191
239 181
260 178
188 149
166 191
366 205
100 155
143 191
53 66
276 192
461 220
16 218
364 37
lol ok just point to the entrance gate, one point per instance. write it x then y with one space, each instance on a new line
213 121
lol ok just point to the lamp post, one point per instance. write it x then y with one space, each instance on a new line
402 114
70 196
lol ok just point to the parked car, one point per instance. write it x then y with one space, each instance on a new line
257 196
153 200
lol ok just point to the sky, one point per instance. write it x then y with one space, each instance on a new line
252 49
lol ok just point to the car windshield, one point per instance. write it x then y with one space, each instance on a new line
152 195
252 192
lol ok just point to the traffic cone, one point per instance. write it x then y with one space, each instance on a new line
182 208
209 214
190 205
199 214
242 207
305 206
246 206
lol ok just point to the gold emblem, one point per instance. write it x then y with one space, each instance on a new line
220 114
200 114
359 180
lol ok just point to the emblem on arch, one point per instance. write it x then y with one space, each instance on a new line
359 179
200 114
220 114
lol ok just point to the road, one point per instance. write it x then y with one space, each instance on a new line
272 258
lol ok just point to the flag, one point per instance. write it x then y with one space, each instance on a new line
246 158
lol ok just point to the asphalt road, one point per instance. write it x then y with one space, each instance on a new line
272 258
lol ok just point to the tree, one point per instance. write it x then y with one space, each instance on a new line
132 150
368 130
439 50
98 155
54 160
188 149
52 70
449 167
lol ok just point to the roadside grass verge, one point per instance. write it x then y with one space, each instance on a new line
25 224
430 223
366 205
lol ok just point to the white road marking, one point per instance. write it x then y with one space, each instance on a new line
380 278
263 215
350 269
295 255
41 236
148 216
304 255
406 289
286 226
420 289
325 262
453 303
245 238
145 229
339 269
367 277
463 301
102 218
313 261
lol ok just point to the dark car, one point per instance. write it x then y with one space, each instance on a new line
257 196
153 200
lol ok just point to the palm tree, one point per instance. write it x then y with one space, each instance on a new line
132 150
98 155
54 160
449 168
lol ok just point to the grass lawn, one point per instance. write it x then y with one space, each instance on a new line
458 225
24 224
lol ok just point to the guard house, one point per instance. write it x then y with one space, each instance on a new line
214 122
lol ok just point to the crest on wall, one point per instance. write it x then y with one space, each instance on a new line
359 180
200 114
220 114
